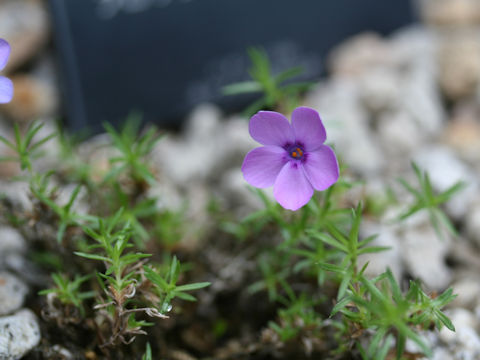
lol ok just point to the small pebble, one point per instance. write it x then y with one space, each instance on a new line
11 241
19 333
12 293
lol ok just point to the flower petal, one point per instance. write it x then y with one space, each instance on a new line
6 90
308 128
321 167
262 165
271 128
4 53
292 190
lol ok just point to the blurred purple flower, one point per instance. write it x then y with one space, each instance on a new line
294 159
6 85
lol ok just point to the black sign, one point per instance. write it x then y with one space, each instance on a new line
161 57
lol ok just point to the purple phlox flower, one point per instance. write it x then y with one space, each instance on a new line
6 85
293 159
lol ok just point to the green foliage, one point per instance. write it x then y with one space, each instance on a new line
66 217
166 288
40 182
133 213
307 260
148 353
113 244
48 260
112 239
169 227
125 273
23 146
350 246
322 241
378 304
427 200
273 276
376 204
72 166
275 92
68 292
380 353
298 316
133 149
293 226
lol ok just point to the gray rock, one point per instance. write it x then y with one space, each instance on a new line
428 338
463 354
45 72
236 134
197 198
420 96
469 340
445 169
207 149
462 134
464 343
461 319
346 122
80 205
379 262
27 270
440 353
19 333
459 63
419 250
11 241
192 157
167 195
61 352
450 12
399 134
202 123
417 113
26 25
184 162
424 253
236 192
12 293
379 90
360 52
413 44
467 289
33 98
472 222
16 193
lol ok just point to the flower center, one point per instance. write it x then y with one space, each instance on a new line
296 152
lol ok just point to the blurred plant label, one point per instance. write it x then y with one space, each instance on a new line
163 57
107 9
